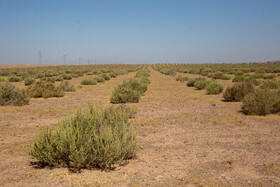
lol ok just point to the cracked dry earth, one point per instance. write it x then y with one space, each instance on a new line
186 138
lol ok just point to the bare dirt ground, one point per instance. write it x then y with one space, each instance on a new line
186 138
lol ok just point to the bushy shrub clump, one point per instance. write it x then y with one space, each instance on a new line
113 74
28 81
217 75
14 79
238 79
130 91
44 89
258 76
200 85
142 73
105 76
261 102
270 77
213 88
66 76
181 78
238 91
225 77
270 84
89 81
2 79
99 78
192 81
10 95
239 73
97 138
67 87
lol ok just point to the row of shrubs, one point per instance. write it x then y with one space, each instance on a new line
211 87
10 95
131 90
97 79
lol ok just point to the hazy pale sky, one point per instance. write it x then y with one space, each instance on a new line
139 31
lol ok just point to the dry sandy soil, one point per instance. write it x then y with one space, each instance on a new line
186 138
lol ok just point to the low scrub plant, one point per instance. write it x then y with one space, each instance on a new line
238 79
213 88
200 85
258 75
44 89
14 78
261 102
217 75
99 78
238 91
10 95
124 94
270 76
181 78
271 84
2 79
67 87
97 138
28 81
105 76
192 81
66 76
225 77
89 81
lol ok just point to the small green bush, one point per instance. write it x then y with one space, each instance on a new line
258 76
200 85
67 87
181 78
270 77
28 81
261 102
113 74
105 76
270 84
10 95
99 78
192 81
238 79
58 78
217 75
66 76
2 79
225 77
97 138
238 91
213 88
14 78
44 89
239 73
124 94
89 81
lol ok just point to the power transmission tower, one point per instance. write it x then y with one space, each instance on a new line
40 57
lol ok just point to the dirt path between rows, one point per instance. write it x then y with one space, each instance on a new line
187 138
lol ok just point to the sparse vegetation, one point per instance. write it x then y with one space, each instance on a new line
213 88
67 87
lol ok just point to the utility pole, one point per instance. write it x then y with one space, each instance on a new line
79 60
40 57
88 61
95 61
64 59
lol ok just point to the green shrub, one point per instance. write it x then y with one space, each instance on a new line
255 81
58 78
28 81
66 76
200 85
136 84
44 89
99 78
270 84
124 94
2 79
113 74
181 78
261 102
217 75
238 79
225 77
105 76
213 88
192 81
238 91
67 87
258 76
270 77
10 95
239 73
97 138
14 78
89 81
